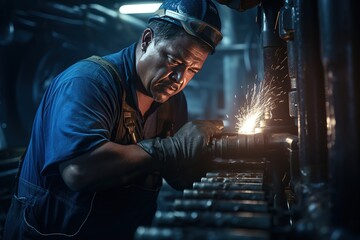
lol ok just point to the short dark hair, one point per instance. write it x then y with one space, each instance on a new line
166 30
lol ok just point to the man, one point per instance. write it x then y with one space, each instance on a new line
101 145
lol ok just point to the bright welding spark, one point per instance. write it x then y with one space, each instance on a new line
250 123
257 100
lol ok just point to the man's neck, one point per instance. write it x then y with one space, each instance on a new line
144 102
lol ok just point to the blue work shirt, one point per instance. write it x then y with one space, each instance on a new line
78 112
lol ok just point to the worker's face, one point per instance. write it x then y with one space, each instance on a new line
167 66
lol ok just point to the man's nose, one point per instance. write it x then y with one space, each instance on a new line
177 76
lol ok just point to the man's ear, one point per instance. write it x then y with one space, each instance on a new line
146 38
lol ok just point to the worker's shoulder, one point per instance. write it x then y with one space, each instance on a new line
83 76
87 71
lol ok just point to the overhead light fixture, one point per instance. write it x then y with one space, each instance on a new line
139 8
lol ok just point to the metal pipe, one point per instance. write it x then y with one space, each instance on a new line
340 45
311 99
234 145
286 32
275 63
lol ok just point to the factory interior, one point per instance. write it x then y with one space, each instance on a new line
296 177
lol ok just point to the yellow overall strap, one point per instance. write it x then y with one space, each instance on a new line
127 117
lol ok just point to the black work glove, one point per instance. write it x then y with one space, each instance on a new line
184 155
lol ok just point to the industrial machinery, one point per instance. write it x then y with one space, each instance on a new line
298 175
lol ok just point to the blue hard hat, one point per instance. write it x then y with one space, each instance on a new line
199 18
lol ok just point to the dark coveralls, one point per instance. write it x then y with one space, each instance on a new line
81 109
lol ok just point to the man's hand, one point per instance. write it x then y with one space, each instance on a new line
182 155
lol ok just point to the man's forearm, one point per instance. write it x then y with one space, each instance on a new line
108 165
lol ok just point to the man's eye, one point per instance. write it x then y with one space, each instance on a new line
172 61
193 70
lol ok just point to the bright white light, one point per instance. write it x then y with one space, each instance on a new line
258 99
250 123
139 8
